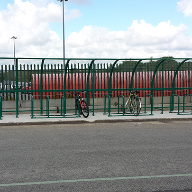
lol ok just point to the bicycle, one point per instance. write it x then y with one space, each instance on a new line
81 104
133 103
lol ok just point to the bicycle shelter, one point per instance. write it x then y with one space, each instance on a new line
155 79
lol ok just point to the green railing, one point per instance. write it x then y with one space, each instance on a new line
153 77
0 108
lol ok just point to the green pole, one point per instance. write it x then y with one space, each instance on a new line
123 103
2 80
64 102
162 88
105 105
178 104
93 95
0 107
173 83
93 86
145 104
133 73
41 85
89 71
153 80
47 106
32 107
17 93
109 85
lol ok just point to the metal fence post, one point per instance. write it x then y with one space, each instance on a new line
173 83
32 114
133 73
123 103
0 108
65 81
153 80
47 107
17 91
41 85
88 83
162 88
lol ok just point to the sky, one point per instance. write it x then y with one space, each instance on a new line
96 28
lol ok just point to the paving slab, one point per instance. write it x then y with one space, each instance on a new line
99 117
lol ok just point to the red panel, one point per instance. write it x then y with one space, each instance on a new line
140 83
100 85
84 81
150 75
43 85
50 87
37 86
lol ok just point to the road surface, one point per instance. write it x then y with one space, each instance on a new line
133 157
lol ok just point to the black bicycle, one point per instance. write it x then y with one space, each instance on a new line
81 104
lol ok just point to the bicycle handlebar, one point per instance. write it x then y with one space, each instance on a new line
133 91
78 92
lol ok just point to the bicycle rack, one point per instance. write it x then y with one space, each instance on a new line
118 113
93 103
41 115
0 108
151 103
78 107
123 104
47 110
124 114
186 106
47 107
32 112
172 103
63 104
109 109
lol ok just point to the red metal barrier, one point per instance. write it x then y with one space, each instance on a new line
119 80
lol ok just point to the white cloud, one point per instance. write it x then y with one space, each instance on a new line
40 3
139 40
186 7
72 14
82 2
30 24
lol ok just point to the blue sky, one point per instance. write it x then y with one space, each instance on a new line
119 15
97 28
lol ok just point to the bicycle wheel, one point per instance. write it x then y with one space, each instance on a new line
84 109
128 106
136 106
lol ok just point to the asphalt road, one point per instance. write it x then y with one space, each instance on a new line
138 157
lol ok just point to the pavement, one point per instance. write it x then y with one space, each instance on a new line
99 117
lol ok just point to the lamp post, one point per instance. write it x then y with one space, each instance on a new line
63 31
14 38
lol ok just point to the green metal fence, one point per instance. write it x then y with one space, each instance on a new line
50 78
0 108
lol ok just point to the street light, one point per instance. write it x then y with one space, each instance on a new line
14 38
63 31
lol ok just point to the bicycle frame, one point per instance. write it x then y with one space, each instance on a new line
81 105
131 96
133 102
78 100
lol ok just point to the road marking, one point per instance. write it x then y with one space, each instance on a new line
91 180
